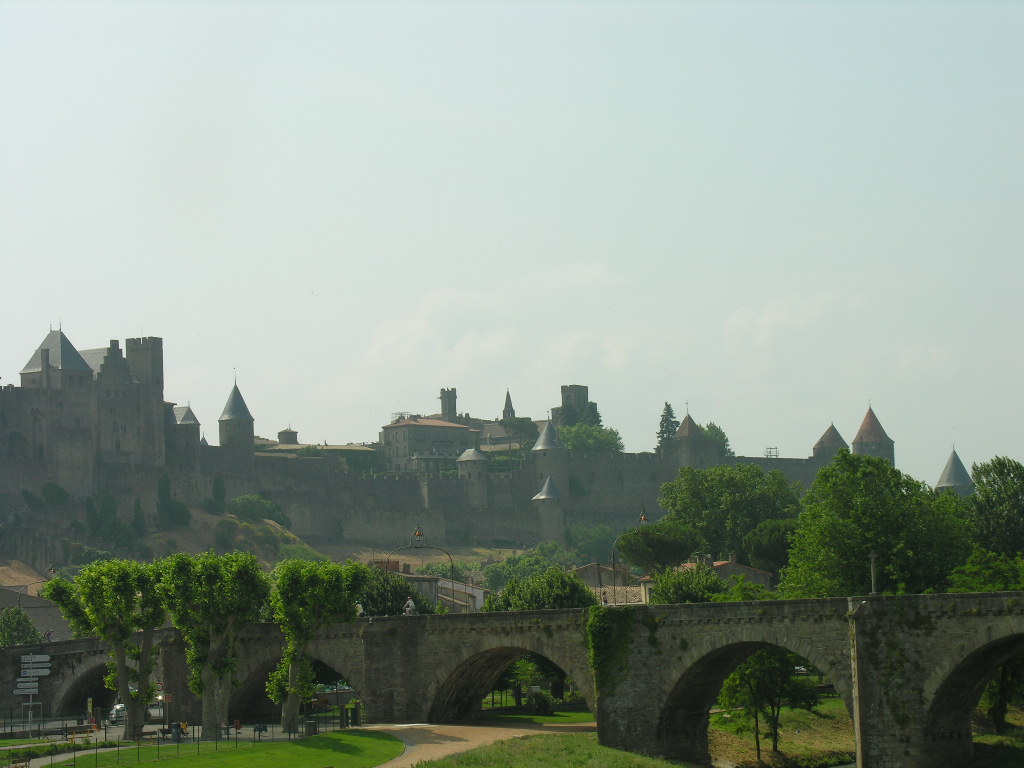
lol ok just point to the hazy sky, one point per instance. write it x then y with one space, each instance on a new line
776 212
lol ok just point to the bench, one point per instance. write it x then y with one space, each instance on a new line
20 762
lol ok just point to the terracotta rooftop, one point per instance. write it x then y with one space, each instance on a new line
871 430
831 439
689 428
424 423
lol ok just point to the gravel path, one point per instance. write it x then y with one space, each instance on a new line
430 742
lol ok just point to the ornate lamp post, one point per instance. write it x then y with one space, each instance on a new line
643 520
416 542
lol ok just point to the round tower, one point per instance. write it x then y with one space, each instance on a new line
472 466
236 430
550 513
828 446
549 458
871 439
955 477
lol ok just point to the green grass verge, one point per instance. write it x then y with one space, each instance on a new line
559 718
576 750
351 749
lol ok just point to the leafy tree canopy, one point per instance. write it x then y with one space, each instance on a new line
997 505
860 504
554 588
535 560
723 504
659 545
717 435
16 628
694 584
521 430
767 546
590 438
254 507
384 593
593 543
114 600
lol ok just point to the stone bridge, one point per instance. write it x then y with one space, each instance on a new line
910 669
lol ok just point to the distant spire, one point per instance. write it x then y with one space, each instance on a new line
508 412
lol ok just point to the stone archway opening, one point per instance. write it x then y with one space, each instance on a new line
700 698
74 705
469 689
250 701
951 726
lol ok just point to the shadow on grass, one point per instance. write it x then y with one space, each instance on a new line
328 743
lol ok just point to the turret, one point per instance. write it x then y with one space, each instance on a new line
693 447
549 457
955 477
828 445
550 514
236 429
871 439
472 466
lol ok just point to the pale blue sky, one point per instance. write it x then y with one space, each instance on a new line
774 211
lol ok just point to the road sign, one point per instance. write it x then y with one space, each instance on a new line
168 698
34 658
34 672
33 684
26 691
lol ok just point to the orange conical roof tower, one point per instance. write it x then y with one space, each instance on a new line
871 439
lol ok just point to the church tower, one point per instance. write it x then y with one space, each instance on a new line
871 439
236 430
508 412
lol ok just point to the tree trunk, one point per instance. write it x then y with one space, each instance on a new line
132 710
290 710
209 679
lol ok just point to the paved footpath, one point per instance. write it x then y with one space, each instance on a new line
431 742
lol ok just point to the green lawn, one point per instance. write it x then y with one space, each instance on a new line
351 749
559 718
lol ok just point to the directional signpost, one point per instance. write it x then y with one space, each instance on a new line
33 666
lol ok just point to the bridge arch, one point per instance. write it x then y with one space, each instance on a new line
70 699
954 687
693 683
470 673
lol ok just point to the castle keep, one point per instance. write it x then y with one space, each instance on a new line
95 421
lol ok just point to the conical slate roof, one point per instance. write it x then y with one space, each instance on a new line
871 430
235 409
63 355
548 439
689 428
831 439
471 454
508 404
549 491
955 474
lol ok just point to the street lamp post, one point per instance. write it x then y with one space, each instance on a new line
416 542
643 520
